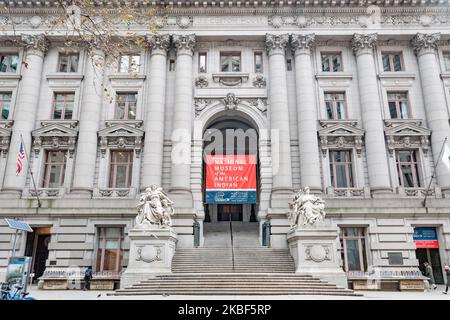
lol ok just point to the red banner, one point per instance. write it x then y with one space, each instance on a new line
231 172
424 244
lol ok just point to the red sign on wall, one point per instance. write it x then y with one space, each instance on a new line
231 179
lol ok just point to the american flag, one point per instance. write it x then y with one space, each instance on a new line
20 157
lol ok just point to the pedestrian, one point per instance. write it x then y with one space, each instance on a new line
429 274
87 278
447 271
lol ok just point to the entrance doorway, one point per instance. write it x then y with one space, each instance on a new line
433 258
37 248
229 212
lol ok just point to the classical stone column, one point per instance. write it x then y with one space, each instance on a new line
425 46
279 114
376 155
26 108
306 112
91 106
182 116
155 110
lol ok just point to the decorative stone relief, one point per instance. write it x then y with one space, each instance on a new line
318 253
259 81
156 257
121 135
201 82
5 136
200 105
35 42
362 42
303 42
161 42
55 135
340 134
184 22
406 134
260 104
276 43
424 41
230 101
184 41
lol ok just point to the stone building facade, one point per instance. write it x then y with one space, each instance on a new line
348 98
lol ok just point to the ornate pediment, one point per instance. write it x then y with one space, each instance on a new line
121 135
231 102
406 134
340 134
55 135
5 136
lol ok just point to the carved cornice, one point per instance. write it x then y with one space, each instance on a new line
363 42
184 42
159 42
35 42
276 44
122 135
340 134
423 42
303 43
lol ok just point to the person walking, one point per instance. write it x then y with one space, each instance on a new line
447 271
87 278
429 274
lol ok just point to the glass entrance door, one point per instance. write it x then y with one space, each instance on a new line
431 256
229 212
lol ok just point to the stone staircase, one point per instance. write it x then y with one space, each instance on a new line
255 271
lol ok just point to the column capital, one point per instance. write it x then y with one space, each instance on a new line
425 42
38 43
184 43
364 43
276 43
303 43
159 43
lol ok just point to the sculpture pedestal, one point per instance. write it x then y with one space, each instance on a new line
314 249
151 252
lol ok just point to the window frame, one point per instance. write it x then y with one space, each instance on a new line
445 57
130 56
416 174
255 54
120 251
69 63
398 104
348 168
362 249
8 66
48 164
230 55
65 101
331 64
127 102
113 165
6 102
391 55
334 104
200 55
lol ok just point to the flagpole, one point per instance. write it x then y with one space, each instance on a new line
424 203
31 172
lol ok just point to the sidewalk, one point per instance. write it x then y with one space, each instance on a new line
103 295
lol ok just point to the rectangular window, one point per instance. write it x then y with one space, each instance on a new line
120 169
335 105
398 105
392 61
172 65
63 105
407 168
230 61
126 106
9 62
331 61
353 246
289 64
447 61
5 104
258 60
202 62
110 249
341 169
68 62
129 63
54 171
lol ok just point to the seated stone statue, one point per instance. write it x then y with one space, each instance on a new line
307 207
154 208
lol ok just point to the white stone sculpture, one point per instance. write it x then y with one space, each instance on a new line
308 207
154 209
